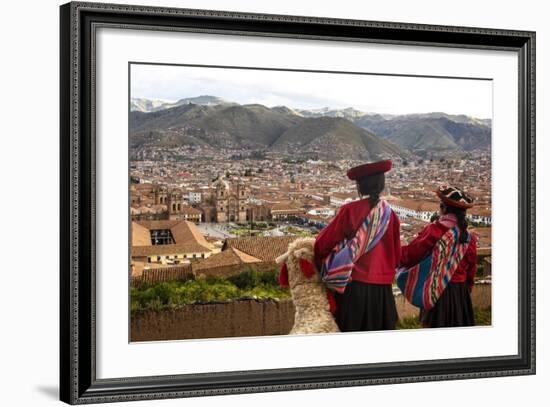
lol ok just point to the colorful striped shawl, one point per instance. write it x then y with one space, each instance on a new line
338 265
423 283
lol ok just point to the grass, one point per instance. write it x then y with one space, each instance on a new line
252 278
247 231
480 271
177 293
482 317
408 323
259 228
243 232
300 232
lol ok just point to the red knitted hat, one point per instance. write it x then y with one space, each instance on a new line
369 169
452 196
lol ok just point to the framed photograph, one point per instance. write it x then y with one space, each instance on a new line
244 194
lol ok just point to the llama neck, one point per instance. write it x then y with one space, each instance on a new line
309 297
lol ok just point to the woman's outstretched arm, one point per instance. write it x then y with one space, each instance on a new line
331 235
422 244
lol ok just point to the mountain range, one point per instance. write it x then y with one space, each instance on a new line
329 133
154 105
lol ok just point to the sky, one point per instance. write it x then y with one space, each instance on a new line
311 90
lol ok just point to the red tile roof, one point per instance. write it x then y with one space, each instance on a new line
229 257
265 248
187 238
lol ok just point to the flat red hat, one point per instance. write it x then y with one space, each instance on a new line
369 169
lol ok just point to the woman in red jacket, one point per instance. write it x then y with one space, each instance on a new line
367 302
454 307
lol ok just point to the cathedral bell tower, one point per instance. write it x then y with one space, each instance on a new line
160 196
175 204
242 197
222 192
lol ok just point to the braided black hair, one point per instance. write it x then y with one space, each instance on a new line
372 185
461 221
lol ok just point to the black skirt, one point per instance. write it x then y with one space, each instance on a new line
454 308
366 307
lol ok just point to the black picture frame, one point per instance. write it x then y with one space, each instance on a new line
78 382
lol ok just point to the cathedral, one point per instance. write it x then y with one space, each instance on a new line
230 200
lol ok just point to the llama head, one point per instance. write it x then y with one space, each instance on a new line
297 264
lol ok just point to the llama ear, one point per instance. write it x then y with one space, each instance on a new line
307 267
331 302
282 258
283 276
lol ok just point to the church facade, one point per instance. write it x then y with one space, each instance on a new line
230 200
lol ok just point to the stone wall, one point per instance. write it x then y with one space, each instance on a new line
236 318
481 295
242 318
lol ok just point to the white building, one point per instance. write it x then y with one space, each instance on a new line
340 200
321 212
485 220
404 212
317 197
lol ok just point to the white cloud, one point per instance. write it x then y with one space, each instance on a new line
310 90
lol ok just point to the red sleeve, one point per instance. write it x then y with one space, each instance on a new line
471 258
331 235
421 245
397 239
